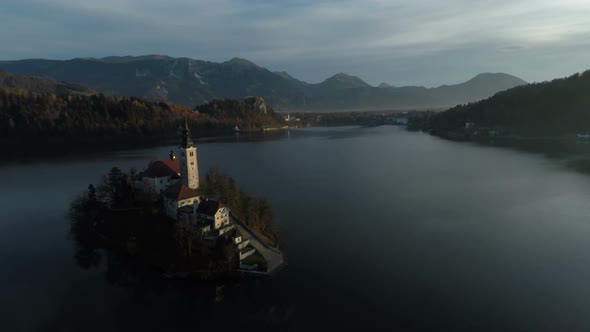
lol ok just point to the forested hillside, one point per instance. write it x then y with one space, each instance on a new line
36 117
561 106
248 114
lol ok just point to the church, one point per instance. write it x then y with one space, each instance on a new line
184 192
176 180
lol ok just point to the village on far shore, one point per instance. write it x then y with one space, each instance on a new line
176 182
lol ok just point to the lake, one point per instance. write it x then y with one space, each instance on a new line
384 229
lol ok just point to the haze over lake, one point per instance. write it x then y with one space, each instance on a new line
384 229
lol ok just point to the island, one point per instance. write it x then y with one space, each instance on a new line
168 218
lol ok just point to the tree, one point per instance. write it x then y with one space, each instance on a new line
256 213
91 193
185 235
116 188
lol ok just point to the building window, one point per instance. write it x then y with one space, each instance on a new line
192 163
191 153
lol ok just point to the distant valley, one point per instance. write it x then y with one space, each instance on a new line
193 82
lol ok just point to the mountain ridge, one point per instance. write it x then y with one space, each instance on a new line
38 85
193 82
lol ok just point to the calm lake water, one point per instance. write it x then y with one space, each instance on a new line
385 229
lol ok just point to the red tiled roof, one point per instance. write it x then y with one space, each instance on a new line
180 192
161 168
186 192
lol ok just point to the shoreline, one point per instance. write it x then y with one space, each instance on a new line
58 148
270 254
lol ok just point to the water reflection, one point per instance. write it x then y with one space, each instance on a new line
572 154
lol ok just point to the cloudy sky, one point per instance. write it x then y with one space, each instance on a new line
403 42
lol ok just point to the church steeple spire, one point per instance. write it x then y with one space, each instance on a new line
189 169
187 141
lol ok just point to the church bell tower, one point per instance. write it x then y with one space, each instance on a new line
189 169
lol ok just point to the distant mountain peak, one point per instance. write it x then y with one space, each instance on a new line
496 76
342 80
344 76
242 62
384 85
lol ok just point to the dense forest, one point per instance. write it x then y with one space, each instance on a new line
559 107
24 114
44 117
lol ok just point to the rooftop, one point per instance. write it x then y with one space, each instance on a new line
162 168
210 207
180 192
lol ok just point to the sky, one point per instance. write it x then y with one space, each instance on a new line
402 42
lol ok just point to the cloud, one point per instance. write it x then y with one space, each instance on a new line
313 39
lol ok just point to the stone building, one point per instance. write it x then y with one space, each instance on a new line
178 196
215 212
159 175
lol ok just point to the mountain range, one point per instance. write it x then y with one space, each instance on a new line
192 82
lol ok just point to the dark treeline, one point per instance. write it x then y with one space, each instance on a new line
342 118
39 117
248 114
112 215
559 107
23 114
